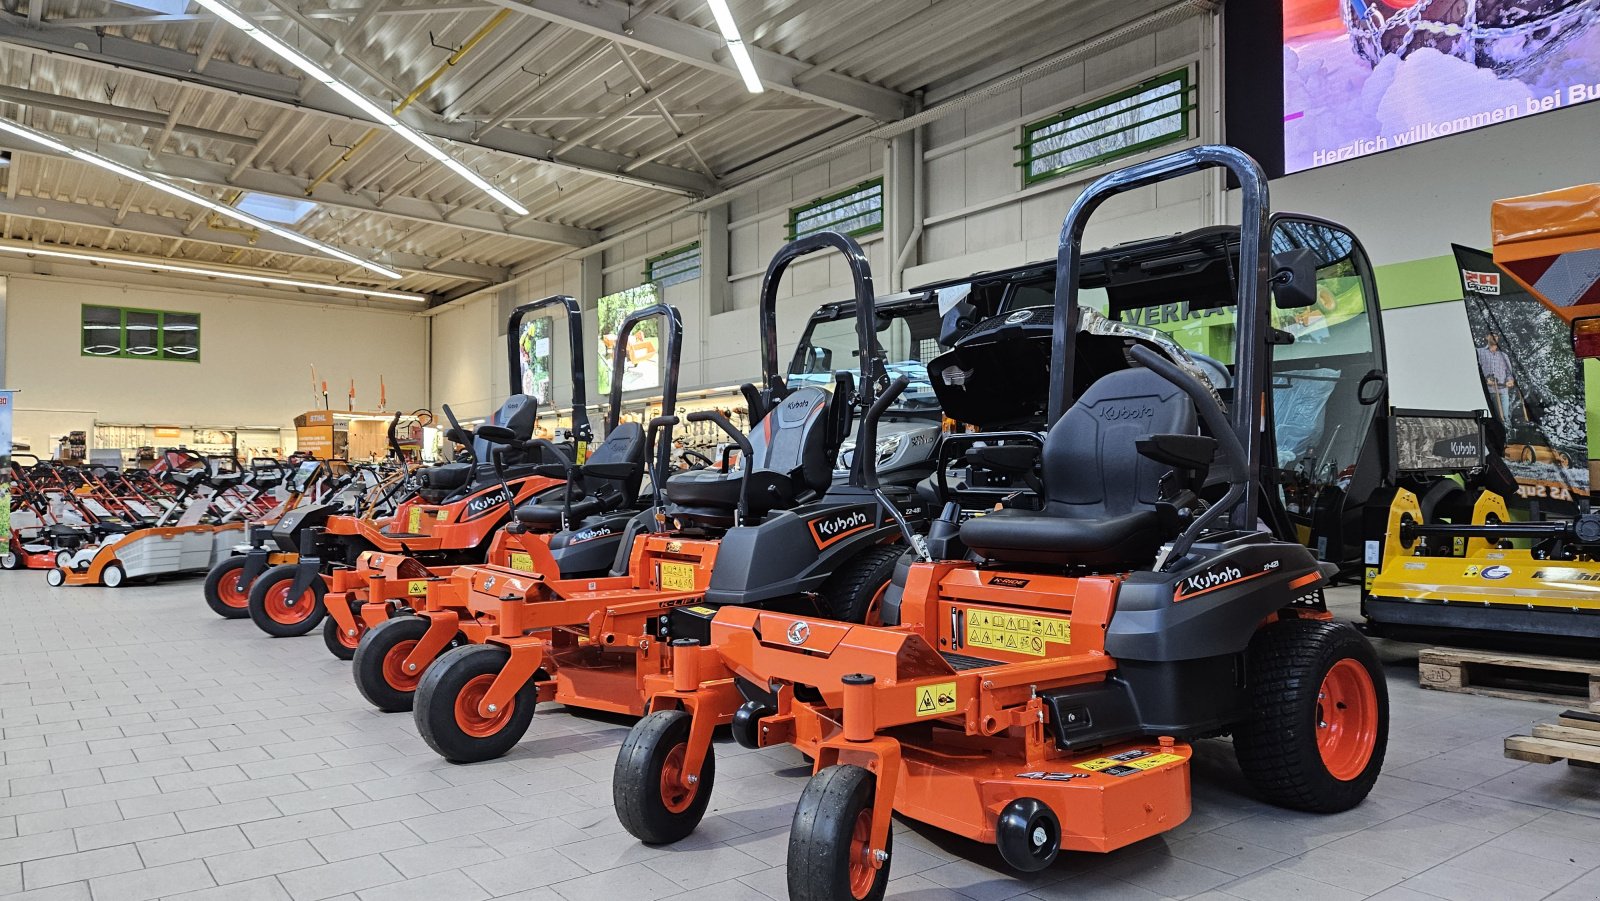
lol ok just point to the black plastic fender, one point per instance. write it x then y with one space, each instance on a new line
1212 606
784 557
590 546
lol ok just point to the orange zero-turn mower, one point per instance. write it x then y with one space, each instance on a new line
1048 668
449 520
775 531
584 526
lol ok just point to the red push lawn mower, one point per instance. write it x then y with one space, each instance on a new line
449 520
1041 673
775 531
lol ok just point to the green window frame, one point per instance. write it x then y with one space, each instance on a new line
1150 114
132 333
855 211
676 266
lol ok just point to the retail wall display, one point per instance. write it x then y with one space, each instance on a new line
643 364
1531 383
6 398
1365 76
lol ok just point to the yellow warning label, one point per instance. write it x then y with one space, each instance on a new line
1471 571
1372 576
414 522
1017 633
1153 761
442 515
522 563
417 587
937 698
677 577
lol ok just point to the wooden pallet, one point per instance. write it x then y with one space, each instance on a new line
1525 677
1573 737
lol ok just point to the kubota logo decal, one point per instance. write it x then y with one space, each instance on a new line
1215 577
483 503
590 535
828 529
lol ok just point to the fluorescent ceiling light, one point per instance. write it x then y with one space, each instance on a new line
29 251
161 184
736 45
374 112
283 210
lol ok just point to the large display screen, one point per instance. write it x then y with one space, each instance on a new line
1365 76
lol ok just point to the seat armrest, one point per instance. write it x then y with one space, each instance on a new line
1194 453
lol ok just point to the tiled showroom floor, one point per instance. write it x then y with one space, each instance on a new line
149 749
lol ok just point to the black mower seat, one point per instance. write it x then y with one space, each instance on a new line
788 461
607 481
447 475
1100 493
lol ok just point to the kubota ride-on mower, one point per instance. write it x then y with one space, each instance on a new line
1046 670
456 509
583 526
781 531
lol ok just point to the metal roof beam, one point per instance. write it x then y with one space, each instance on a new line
216 174
129 115
239 82
426 9
664 36
166 227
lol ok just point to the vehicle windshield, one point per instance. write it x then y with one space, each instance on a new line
1319 422
909 336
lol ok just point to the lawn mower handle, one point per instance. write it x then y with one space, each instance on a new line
455 426
658 474
869 432
1221 429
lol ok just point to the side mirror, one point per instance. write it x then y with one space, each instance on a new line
821 359
960 318
1294 278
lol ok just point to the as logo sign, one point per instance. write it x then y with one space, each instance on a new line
828 529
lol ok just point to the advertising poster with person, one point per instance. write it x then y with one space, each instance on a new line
1365 76
641 360
1531 384
533 347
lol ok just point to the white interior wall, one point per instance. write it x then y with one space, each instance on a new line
255 359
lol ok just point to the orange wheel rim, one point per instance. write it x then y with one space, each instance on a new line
231 591
675 796
394 668
348 640
1347 720
862 871
874 616
468 719
281 610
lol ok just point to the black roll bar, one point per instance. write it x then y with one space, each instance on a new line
874 368
581 430
1254 317
673 320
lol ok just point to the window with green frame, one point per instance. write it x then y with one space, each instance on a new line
854 211
140 334
1149 114
675 266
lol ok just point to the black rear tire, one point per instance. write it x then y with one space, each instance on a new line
825 841
1295 667
854 593
229 600
377 666
273 615
655 745
465 738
